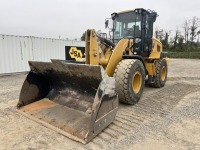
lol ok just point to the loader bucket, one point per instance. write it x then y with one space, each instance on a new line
76 100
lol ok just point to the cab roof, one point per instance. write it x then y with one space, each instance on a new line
132 10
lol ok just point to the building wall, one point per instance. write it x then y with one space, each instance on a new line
16 51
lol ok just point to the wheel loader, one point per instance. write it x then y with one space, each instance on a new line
80 98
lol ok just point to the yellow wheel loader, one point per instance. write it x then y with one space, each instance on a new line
80 98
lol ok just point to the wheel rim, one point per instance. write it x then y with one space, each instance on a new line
163 73
137 82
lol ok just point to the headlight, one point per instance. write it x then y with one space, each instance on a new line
137 40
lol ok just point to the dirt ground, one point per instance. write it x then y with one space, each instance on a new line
167 118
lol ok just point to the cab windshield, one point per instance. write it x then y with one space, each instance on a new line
127 25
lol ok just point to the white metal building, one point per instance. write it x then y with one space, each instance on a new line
16 51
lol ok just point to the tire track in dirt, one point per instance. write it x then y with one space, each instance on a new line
129 118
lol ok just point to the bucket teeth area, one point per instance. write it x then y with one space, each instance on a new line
72 99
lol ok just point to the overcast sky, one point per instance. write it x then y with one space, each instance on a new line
70 18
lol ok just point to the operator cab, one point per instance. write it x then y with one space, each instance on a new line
137 25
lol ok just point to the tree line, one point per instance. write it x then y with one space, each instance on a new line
185 38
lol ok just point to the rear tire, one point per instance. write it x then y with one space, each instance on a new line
161 74
130 78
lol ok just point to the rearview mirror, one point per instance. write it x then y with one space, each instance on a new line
106 23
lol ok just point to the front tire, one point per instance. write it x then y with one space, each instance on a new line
130 78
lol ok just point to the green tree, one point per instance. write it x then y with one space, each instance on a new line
83 37
177 38
186 28
195 22
163 36
198 42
